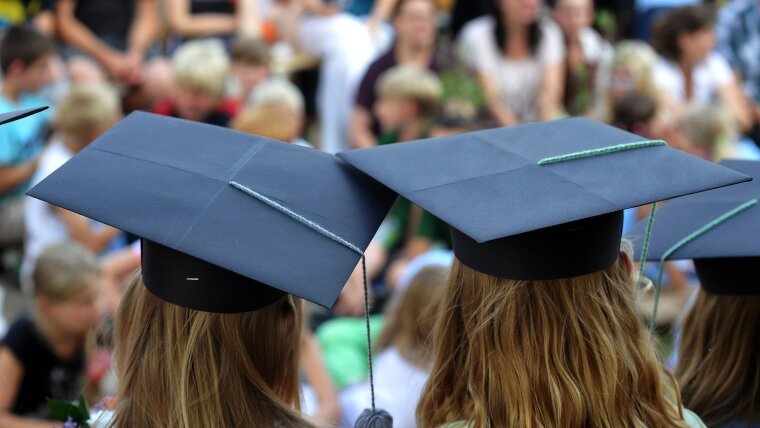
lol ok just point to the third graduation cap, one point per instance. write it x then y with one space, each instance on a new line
229 222
15 115
718 229
538 201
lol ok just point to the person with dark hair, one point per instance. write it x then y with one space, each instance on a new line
635 112
25 57
519 57
414 23
688 71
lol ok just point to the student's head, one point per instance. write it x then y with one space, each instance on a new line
563 352
200 69
411 317
415 23
708 129
250 62
573 15
632 70
85 112
181 367
25 57
406 94
66 279
685 34
275 110
718 367
635 112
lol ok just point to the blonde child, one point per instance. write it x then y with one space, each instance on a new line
275 110
43 355
83 114
200 69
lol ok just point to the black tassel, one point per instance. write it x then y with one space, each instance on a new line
378 419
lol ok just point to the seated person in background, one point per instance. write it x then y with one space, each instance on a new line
200 69
414 45
250 66
275 110
404 349
84 113
688 71
43 356
111 36
25 58
589 59
709 131
631 73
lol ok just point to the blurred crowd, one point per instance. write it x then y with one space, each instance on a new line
332 75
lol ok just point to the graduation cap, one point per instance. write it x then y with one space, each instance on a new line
229 221
13 116
717 229
538 201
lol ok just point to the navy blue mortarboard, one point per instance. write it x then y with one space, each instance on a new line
12 116
719 229
538 201
229 222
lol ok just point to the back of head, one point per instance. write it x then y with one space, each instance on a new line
719 368
179 367
278 91
633 111
273 120
568 352
201 65
709 127
23 43
62 271
87 110
410 320
411 83
686 19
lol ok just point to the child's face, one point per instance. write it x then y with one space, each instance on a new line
393 113
574 15
36 74
75 316
249 75
194 104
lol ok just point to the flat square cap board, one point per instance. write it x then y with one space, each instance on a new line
719 230
566 180
12 116
204 198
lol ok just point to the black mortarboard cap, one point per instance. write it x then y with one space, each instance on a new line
538 201
229 221
12 116
719 230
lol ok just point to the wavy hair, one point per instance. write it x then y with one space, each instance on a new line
562 353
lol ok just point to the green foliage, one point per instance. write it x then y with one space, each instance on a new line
77 412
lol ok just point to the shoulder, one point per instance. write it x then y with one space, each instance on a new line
21 338
478 29
692 419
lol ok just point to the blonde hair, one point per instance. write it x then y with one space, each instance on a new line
275 120
638 58
558 353
411 318
63 271
178 367
709 127
412 83
201 65
87 109
277 91
719 367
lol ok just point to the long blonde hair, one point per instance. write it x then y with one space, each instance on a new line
560 353
410 320
719 367
179 367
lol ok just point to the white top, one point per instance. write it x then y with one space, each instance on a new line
43 226
519 80
708 77
398 387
